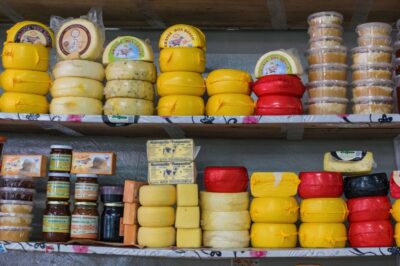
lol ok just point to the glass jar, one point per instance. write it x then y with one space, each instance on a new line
111 194
86 187
58 186
110 222
60 158
85 221
56 221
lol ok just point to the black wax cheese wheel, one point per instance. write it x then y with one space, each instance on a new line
366 185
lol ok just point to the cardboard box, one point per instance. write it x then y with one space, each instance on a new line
171 173
26 165
130 234
170 150
131 191
101 163
130 213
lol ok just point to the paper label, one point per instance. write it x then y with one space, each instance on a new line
171 173
179 37
74 38
86 191
276 64
35 34
84 226
170 150
278 178
92 163
348 156
60 162
396 177
27 165
58 189
56 224
126 48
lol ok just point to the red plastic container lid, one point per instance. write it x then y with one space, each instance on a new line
365 209
279 85
320 185
231 179
371 234
279 105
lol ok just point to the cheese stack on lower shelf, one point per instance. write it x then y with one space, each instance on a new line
225 218
274 209
395 193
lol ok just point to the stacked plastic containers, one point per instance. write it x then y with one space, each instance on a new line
225 217
322 210
395 211
274 209
327 73
25 58
182 61
372 69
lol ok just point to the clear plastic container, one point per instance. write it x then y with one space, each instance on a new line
327 106
330 88
372 87
325 55
372 54
16 206
373 105
17 181
325 30
374 28
11 193
325 17
15 233
372 71
15 219
327 72
374 40
329 41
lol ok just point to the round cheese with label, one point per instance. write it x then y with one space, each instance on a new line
177 105
180 83
128 106
322 235
156 237
26 81
30 32
25 56
230 104
224 202
127 48
274 210
182 59
226 239
225 221
77 87
79 39
157 195
226 81
323 210
129 89
278 62
395 184
14 102
156 216
79 69
271 235
226 179
181 35
76 106
137 70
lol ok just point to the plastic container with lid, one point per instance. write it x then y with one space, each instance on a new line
17 181
366 185
372 71
60 158
56 221
365 209
327 88
110 222
324 30
327 106
15 233
16 206
15 219
285 84
373 105
325 55
13 193
374 28
320 185
111 194
372 87
85 221
371 234
372 54
325 41
86 187
325 17
58 186
279 105
321 72
383 40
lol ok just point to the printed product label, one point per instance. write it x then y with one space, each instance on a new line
95 163
171 173
33 34
86 191
29 165
180 37
58 189
56 224
126 48
348 156
84 226
74 38
396 177
170 150
60 162
276 64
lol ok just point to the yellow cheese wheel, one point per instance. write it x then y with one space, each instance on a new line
224 202
128 106
127 48
395 211
322 235
129 89
156 237
30 32
397 234
230 104
14 102
76 106
226 81
323 210
274 210
184 83
26 81
348 166
226 239
274 184
156 216
79 69
225 221
77 87
182 59
25 56
157 195
181 35
138 70
270 235
180 105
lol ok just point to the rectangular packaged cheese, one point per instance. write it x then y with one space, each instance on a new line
171 173
130 234
187 217
130 213
169 150
131 191
101 163
25 165
188 238
187 195
349 162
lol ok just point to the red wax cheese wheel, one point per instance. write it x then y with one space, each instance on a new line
279 105
320 185
371 234
226 179
368 209
290 85
394 188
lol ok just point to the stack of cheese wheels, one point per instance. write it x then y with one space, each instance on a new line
322 210
130 74
229 93
182 60
395 193
225 218
25 57
274 209
156 216
78 88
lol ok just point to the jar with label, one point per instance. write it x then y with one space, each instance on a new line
56 221
110 222
86 187
58 186
85 221
60 158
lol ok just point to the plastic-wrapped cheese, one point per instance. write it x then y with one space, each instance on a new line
270 235
137 70
76 106
228 81
77 87
226 239
274 210
14 102
157 195
184 83
182 59
323 210
181 35
127 48
230 104
224 202
397 234
128 106
30 32
180 105
278 62
79 69
226 179
26 81
349 162
225 221
322 235
395 211
156 237
274 184
129 89
156 216
25 56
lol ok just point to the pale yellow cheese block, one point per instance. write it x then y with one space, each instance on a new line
25 81
77 87
156 237
274 210
225 221
224 202
129 89
187 217
363 166
157 195
187 195
323 210
14 102
126 70
180 105
156 216
226 81
182 59
128 106
322 235
188 238
226 239
272 235
230 104
25 56
274 184
80 69
184 83
76 106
